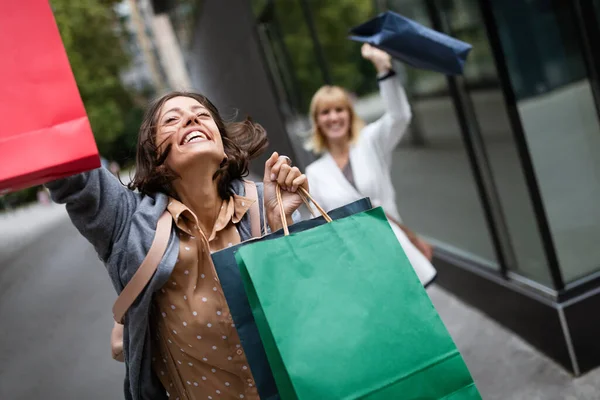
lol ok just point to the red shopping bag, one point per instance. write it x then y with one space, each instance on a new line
44 130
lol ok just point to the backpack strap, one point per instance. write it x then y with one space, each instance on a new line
144 273
252 193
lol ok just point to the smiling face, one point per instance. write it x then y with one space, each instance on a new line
189 127
334 121
333 118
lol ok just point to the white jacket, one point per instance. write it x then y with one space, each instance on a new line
371 160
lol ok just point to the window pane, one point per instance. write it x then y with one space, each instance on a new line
557 111
436 191
467 24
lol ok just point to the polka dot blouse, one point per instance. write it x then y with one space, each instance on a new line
197 352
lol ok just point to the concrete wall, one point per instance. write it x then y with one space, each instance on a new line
226 65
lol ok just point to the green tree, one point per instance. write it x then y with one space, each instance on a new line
91 34
332 19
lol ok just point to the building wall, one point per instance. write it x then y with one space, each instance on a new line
226 65
170 53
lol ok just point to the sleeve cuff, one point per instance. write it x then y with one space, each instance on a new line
386 75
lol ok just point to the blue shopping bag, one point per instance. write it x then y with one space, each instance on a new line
413 43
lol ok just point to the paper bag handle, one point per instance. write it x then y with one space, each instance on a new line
306 198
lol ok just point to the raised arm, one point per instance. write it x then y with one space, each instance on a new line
386 132
99 206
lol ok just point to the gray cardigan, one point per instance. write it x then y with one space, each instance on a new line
121 224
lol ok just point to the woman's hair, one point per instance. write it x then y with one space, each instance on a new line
242 142
332 96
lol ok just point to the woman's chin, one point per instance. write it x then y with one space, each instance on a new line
204 157
337 135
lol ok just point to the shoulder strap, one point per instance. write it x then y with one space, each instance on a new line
252 194
144 273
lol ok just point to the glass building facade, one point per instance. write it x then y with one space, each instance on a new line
501 168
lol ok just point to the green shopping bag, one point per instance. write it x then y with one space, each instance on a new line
342 315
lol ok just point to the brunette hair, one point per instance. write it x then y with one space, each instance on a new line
331 96
242 142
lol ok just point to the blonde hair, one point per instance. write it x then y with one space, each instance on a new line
331 96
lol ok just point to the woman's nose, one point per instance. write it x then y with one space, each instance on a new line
191 119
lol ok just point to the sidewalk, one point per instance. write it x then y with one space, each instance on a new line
504 366
21 227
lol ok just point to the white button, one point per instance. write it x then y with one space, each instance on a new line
204 359
194 313
190 364
214 347
226 383
209 325
239 352
198 337
187 272
203 378
184 323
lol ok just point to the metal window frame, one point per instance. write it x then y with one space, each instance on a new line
525 158
477 156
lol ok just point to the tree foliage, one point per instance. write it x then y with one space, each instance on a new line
93 39
332 19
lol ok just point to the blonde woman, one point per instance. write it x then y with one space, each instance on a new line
356 159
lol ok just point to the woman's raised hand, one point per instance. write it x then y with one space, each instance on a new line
380 59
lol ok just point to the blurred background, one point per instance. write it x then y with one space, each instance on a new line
500 169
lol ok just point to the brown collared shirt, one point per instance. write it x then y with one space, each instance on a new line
198 354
